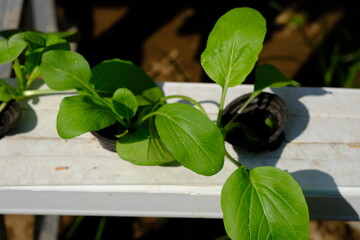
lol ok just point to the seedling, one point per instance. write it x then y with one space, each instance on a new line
23 49
260 203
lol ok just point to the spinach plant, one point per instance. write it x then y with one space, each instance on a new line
259 203
23 49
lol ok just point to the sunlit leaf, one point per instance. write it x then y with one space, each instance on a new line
144 147
64 70
264 203
81 114
125 103
191 137
233 46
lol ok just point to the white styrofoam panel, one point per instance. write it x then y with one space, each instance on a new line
44 174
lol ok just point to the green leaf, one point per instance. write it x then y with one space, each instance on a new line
264 203
144 147
68 36
64 70
191 137
149 96
267 75
11 48
38 43
36 40
233 46
116 73
5 94
125 103
81 114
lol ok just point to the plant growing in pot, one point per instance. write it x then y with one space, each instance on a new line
259 203
24 50
256 121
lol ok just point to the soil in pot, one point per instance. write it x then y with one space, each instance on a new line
9 117
261 124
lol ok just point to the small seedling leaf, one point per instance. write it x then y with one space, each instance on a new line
125 103
267 75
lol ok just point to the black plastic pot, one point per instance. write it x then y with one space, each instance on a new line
9 117
106 136
263 122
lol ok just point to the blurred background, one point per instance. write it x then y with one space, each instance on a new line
314 42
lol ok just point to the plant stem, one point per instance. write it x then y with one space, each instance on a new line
74 227
188 99
34 74
233 160
30 93
122 134
148 116
243 107
100 229
221 106
19 75
2 106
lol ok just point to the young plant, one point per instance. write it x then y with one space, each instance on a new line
23 49
118 92
261 203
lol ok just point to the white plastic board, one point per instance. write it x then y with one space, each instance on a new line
40 173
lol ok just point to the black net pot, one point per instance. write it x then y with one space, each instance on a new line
107 138
264 120
9 117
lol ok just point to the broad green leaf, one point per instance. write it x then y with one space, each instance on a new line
264 203
125 103
267 75
144 147
191 137
116 73
11 48
81 114
64 70
233 46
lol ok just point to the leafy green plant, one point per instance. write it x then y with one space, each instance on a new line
259 203
23 49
